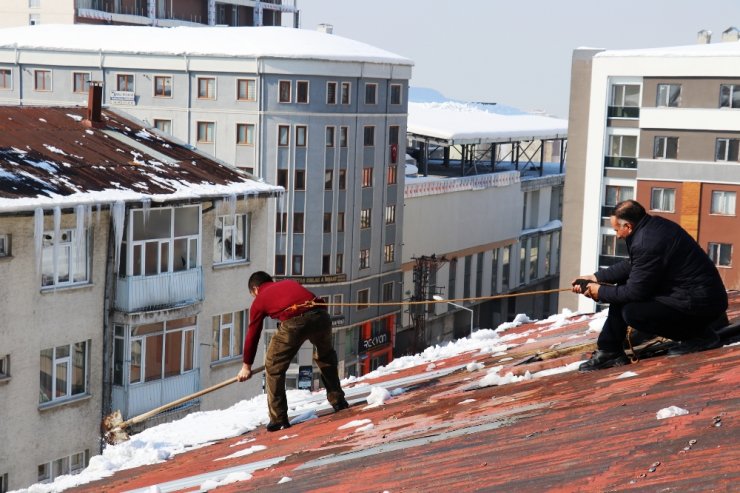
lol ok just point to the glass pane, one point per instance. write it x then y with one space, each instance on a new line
225 341
188 361
607 245
135 375
725 253
118 360
181 323
180 255
238 339
215 329
187 221
218 240
63 254
79 372
736 96
173 352
629 146
193 253
148 329
631 95
228 244
724 96
45 366
611 195
156 225
675 94
164 257
153 365
239 239
61 379
732 151
151 263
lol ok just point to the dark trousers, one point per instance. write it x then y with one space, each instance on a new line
650 317
314 326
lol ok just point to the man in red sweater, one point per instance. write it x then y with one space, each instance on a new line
287 301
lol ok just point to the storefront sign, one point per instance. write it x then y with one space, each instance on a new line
374 341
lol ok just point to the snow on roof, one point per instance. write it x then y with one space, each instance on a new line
724 49
249 42
462 123
49 157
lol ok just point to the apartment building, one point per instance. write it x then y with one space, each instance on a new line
164 13
660 126
320 115
123 255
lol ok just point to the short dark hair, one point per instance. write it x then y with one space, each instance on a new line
630 211
257 279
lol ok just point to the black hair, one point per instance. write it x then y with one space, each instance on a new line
257 279
630 211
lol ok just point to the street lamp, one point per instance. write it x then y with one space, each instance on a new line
437 297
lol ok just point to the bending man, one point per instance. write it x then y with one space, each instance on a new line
285 301
668 287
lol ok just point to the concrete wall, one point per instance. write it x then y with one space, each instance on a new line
18 12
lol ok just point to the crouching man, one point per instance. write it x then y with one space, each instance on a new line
667 287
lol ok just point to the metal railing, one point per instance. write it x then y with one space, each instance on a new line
139 398
139 293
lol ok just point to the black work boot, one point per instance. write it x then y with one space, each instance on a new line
278 425
604 359
705 340
339 405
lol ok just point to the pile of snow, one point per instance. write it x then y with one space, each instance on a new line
378 396
670 412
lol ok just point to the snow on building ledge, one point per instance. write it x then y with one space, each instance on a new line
424 187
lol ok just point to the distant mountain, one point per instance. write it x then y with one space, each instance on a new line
428 95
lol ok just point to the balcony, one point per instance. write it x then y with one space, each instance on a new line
623 112
620 162
141 293
133 400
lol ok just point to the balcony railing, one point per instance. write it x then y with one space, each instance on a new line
620 162
139 398
142 293
623 112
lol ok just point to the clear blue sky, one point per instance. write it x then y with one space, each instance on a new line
514 52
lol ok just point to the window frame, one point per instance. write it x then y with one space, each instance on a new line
301 135
210 88
246 82
221 329
245 133
331 97
47 76
396 88
666 144
364 258
299 226
392 174
367 177
715 251
663 96
731 97
282 84
328 179
4 245
366 218
187 326
389 253
363 299
68 361
125 77
5 367
371 93
283 135
238 228
664 193
6 79
330 132
86 84
390 214
157 123
727 203
156 89
297 265
49 245
343 137
299 97
210 132
347 92
368 135
731 150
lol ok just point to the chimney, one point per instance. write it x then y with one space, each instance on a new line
325 28
95 102
704 37
731 34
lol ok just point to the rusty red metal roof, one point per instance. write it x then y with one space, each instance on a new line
51 153
564 432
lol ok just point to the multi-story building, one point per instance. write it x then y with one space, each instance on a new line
150 12
660 126
123 255
321 115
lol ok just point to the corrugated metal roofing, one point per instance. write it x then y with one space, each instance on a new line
49 156
564 432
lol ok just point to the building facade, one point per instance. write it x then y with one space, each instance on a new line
150 12
320 115
660 126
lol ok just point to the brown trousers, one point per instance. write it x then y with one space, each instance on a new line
314 326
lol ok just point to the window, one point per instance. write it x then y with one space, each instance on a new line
729 96
164 126
395 93
4 367
284 87
64 372
340 222
298 222
340 263
231 241
245 134
300 180
42 80
723 203
390 214
69 465
494 270
389 253
279 265
365 258
392 175
163 239
282 178
206 88
506 267
227 339
80 81
330 136
6 80
283 135
343 136
622 151
327 222
721 254
533 257
65 258
363 298
163 86
246 90
371 93
393 134
612 246
365 215
125 82
336 304
3 483
206 132
4 245
663 199
331 93
625 101
326 264
342 179
301 89
616 194
161 350
523 262
328 179
346 88
300 135
665 148
297 265
367 177
727 150
34 19
34 4
368 135
668 95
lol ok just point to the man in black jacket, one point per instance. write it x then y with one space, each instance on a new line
668 287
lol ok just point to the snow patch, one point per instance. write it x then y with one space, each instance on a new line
377 397
355 424
627 374
670 412
234 477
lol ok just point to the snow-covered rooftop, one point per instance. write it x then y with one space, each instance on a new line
462 123
720 49
248 42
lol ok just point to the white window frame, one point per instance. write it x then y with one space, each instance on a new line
374 86
663 96
156 78
125 74
620 146
618 100
399 87
48 73
716 251
210 132
331 100
330 133
661 141
301 135
665 197
211 86
85 89
366 218
34 4
68 465
248 137
6 78
728 148
390 214
389 253
223 330
280 91
343 136
297 92
345 88
68 367
189 332
248 82
232 226
733 89
53 256
164 125
723 203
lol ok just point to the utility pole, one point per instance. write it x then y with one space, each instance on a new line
425 268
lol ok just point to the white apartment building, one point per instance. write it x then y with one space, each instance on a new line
660 125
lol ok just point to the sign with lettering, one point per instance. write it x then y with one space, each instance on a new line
379 339
126 98
305 377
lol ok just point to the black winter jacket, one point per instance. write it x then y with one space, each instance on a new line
666 265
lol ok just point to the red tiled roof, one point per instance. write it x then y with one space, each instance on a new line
565 432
